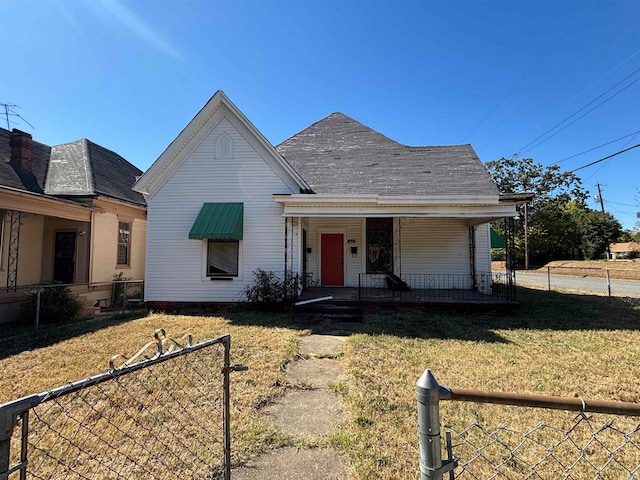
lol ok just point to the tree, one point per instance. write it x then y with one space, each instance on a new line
554 214
599 230
547 183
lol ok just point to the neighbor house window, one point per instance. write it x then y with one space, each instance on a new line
124 242
222 258
379 245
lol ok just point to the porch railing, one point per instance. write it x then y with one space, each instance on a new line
437 287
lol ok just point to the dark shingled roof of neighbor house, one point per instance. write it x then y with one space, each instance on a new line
339 155
77 169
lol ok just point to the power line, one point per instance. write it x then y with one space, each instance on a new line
599 146
535 64
578 111
605 158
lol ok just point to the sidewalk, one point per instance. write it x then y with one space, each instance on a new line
307 413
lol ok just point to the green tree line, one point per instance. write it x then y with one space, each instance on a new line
560 224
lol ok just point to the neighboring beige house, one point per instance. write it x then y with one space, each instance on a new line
337 203
67 214
620 251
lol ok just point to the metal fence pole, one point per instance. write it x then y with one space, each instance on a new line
608 283
124 295
38 308
549 278
429 426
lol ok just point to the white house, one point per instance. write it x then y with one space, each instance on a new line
337 203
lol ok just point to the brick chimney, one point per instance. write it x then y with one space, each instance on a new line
20 143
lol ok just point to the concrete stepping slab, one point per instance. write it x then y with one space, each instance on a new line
314 372
294 464
321 344
305 414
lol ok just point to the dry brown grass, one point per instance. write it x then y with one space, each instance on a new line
555 344
57 356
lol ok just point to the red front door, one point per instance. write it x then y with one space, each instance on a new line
332 260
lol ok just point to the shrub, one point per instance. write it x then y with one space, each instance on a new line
266 288
57 304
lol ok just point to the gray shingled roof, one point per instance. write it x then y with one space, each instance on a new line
77 169
339 155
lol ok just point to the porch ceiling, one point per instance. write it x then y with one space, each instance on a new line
13 199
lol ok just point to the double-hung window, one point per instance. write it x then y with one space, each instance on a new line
222 258
124 243
221 225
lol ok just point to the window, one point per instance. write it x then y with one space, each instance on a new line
222 258
379 245
124 242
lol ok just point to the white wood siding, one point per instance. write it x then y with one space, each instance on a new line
421 246
353 229
483 258
438 246
175 267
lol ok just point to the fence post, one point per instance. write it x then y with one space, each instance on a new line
124 295
38 307
608 283
549 279
10 414
429 426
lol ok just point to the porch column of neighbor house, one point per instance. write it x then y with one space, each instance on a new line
13 251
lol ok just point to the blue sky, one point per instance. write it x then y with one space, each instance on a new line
501 75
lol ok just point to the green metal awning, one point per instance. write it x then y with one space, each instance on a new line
218 221
496 240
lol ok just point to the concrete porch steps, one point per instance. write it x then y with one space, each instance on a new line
344 311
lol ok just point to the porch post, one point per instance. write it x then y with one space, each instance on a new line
15 221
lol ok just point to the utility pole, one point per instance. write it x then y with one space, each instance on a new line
604 217
526 236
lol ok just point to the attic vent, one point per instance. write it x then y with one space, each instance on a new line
224 146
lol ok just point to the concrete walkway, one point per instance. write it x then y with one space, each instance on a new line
307 413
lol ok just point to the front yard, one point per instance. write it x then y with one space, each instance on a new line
553 344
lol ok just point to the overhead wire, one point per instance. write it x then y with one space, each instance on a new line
600 146
568 66
605 158
522 150
527 71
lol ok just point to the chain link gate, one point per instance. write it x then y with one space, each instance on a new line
159 414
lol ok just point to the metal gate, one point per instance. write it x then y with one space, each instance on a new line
163 413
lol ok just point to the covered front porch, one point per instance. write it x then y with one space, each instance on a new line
429 290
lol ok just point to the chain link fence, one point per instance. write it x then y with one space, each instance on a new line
161 414
564 445
545 438
599 281
94 298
